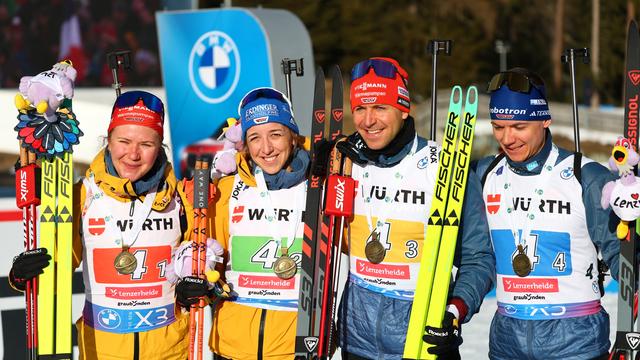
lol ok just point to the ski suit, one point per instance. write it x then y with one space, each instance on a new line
129 316
376 303
260 321
554 312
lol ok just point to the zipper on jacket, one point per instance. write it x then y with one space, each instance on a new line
136 346
132 209
263 316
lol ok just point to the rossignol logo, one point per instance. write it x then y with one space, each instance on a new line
310 343
337 114
366 85
318 115
632 120
634 76
340 194
633 340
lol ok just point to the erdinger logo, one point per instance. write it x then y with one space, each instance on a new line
214 67
366 85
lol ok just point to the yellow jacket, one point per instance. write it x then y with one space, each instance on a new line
242 332
169 342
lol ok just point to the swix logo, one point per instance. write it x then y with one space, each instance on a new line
493 203
23 186
337 114
96 226
310 343
339 204
238 212
633 340
634 76
319 116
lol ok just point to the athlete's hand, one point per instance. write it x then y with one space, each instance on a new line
189 291
446 339
28 265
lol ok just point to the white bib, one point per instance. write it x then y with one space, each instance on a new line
143 300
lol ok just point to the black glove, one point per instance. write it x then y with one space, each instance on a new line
446 340
189 291
322 151
28 265
352 147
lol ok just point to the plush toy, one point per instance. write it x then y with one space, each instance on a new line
46 124
46 91
623 195
224 162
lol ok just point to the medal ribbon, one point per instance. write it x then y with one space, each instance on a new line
543 179
127 237
271 213
392 189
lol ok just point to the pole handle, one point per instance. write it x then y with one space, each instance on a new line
116 59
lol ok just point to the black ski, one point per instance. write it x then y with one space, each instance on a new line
626 339
306 339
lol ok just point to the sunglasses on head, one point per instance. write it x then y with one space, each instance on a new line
131 98
515 81
267 93
381 67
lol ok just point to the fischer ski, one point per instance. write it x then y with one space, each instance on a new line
444 217
627 341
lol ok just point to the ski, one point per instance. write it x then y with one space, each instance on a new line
306 340
451 221
626 339
338 193
421 300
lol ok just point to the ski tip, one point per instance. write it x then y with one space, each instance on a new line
472 96
456 94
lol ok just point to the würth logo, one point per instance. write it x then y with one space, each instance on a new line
634 76
319 116
96 226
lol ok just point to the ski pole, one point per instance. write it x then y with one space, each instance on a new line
27 199
434 47
115 59
569 56
288 66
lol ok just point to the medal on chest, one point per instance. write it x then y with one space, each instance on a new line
521 263
125 262
374 250
285 267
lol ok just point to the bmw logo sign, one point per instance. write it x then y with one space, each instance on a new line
214 67
109 318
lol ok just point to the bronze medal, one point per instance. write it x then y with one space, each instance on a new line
285 267
521 263
374 250
125 263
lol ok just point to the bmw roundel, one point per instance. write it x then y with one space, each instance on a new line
109 318
214 67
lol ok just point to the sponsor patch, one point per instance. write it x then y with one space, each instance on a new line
403 102
369 100
537 102
403 92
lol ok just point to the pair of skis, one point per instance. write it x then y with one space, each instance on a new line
432 288
48 298
323 230
627 340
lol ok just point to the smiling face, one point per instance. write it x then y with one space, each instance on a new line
520 140
378 124
270 146
134 150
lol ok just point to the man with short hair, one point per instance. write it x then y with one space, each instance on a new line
547 224
396 172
